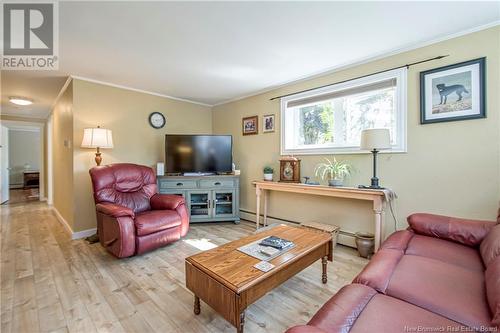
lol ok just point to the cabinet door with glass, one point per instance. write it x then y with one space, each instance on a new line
224 204
199 204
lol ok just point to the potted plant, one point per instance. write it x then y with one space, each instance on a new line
333 170
268 173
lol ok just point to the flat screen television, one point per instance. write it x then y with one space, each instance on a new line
201 154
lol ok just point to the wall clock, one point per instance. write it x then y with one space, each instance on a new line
157 120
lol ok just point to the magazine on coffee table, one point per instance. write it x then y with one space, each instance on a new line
265 253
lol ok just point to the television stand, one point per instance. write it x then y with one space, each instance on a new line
211 198
197 174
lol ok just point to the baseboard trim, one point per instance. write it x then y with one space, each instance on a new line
62 220
345 237
84 233
67 227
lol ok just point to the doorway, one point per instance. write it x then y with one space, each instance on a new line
22 153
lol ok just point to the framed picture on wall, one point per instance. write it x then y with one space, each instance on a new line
454 92
268 123
250 125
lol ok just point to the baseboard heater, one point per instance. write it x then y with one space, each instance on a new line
345 237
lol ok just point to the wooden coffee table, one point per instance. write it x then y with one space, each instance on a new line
225 278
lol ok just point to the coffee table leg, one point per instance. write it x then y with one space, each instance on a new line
196 305
324 277
241 325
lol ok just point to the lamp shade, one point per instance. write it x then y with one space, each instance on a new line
375 138
97 138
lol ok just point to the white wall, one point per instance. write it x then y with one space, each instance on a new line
24 148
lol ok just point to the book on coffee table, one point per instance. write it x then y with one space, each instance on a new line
266 252
276 242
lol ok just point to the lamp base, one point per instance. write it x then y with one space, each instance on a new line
374 185
371 187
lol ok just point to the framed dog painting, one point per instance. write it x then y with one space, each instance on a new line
454 92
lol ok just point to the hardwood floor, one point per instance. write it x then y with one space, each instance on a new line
17 196
52 284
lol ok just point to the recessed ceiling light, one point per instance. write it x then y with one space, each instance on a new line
20 100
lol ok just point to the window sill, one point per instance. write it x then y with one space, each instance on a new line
338 151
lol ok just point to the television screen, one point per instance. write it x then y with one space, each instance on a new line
198 153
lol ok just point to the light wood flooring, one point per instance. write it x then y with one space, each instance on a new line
52 284
20 195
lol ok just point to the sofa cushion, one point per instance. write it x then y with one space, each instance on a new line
492 280
445 251
464 231
490 246
156 220
391 315
449 290
358 308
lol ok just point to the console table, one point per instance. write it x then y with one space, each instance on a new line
376 196
208 198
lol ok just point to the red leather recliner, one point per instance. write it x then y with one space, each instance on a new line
132 218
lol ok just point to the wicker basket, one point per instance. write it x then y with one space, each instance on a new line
330 228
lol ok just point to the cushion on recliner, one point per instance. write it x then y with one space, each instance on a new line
449 290
124 184
490 247
156 220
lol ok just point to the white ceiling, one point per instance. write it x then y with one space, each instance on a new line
212 52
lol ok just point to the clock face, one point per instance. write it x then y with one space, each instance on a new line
157 120
288 171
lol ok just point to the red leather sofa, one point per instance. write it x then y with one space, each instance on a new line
440 275
132 218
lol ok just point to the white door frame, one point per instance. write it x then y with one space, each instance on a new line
50 175
13 124
4 173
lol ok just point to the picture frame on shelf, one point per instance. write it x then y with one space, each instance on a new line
453 92
250 125
268 123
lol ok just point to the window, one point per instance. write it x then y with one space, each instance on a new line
330 119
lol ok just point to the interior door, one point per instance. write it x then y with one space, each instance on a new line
4 165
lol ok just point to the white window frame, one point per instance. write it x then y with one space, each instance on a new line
399 74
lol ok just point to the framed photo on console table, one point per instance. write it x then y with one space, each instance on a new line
454 92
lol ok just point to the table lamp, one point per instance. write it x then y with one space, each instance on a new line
374 140
97 138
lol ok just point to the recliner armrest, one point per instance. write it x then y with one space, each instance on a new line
465 231
166 201
114 210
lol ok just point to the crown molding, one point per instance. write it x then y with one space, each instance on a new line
81 78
